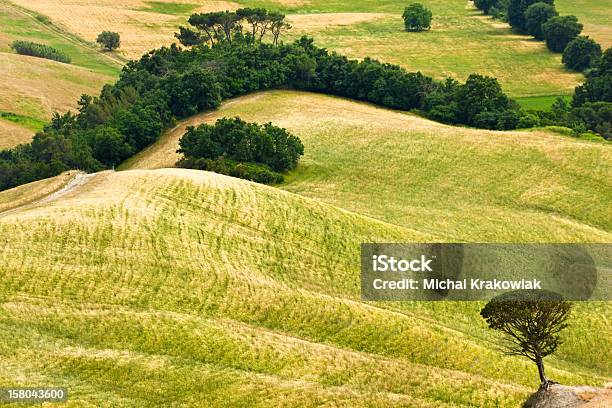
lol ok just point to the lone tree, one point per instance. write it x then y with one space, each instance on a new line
531 321
417 17
536 15
559 31
581 53
109 40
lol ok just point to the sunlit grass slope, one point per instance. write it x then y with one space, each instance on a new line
457 183
186 288
31 89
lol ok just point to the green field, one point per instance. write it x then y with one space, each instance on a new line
212 290
431 177
153 286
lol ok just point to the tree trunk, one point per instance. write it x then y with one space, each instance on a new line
540 364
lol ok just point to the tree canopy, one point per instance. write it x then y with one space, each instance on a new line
213 27
109 40
517 10
581 53
417 17
536 15
531 322
559 31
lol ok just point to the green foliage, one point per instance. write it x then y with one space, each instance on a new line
248 171
109 40
581 53
536 15
482 103
597 116
40 51
531 321
517 10
109 145
598 85
242 142
417 17
224 26
559 31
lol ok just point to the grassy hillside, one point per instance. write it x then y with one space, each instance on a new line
33 88
209 290
355 28
595 15
457 183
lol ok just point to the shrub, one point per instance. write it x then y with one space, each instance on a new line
247 171
536 15
39 50
109 40
581 53
242 142
417 17
559 31
517 10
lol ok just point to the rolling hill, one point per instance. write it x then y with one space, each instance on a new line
33 88
457 183
213 290
210 290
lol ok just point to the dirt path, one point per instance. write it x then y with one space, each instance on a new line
79 180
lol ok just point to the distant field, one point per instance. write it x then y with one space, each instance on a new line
462 184
462 40
31 88
540 102
161 276
596 15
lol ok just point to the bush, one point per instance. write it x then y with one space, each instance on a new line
581 53
169 84
109 40
417 17
239 141
517 10
247 171
559 31
536 15
39 50
598 85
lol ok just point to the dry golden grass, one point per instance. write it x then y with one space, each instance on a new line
140 30
456 183
37 87
307 23
32 192
175 276
12 135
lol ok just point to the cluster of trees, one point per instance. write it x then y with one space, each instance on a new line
109 40
417 17
240 149
39 50
214 27
540 19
